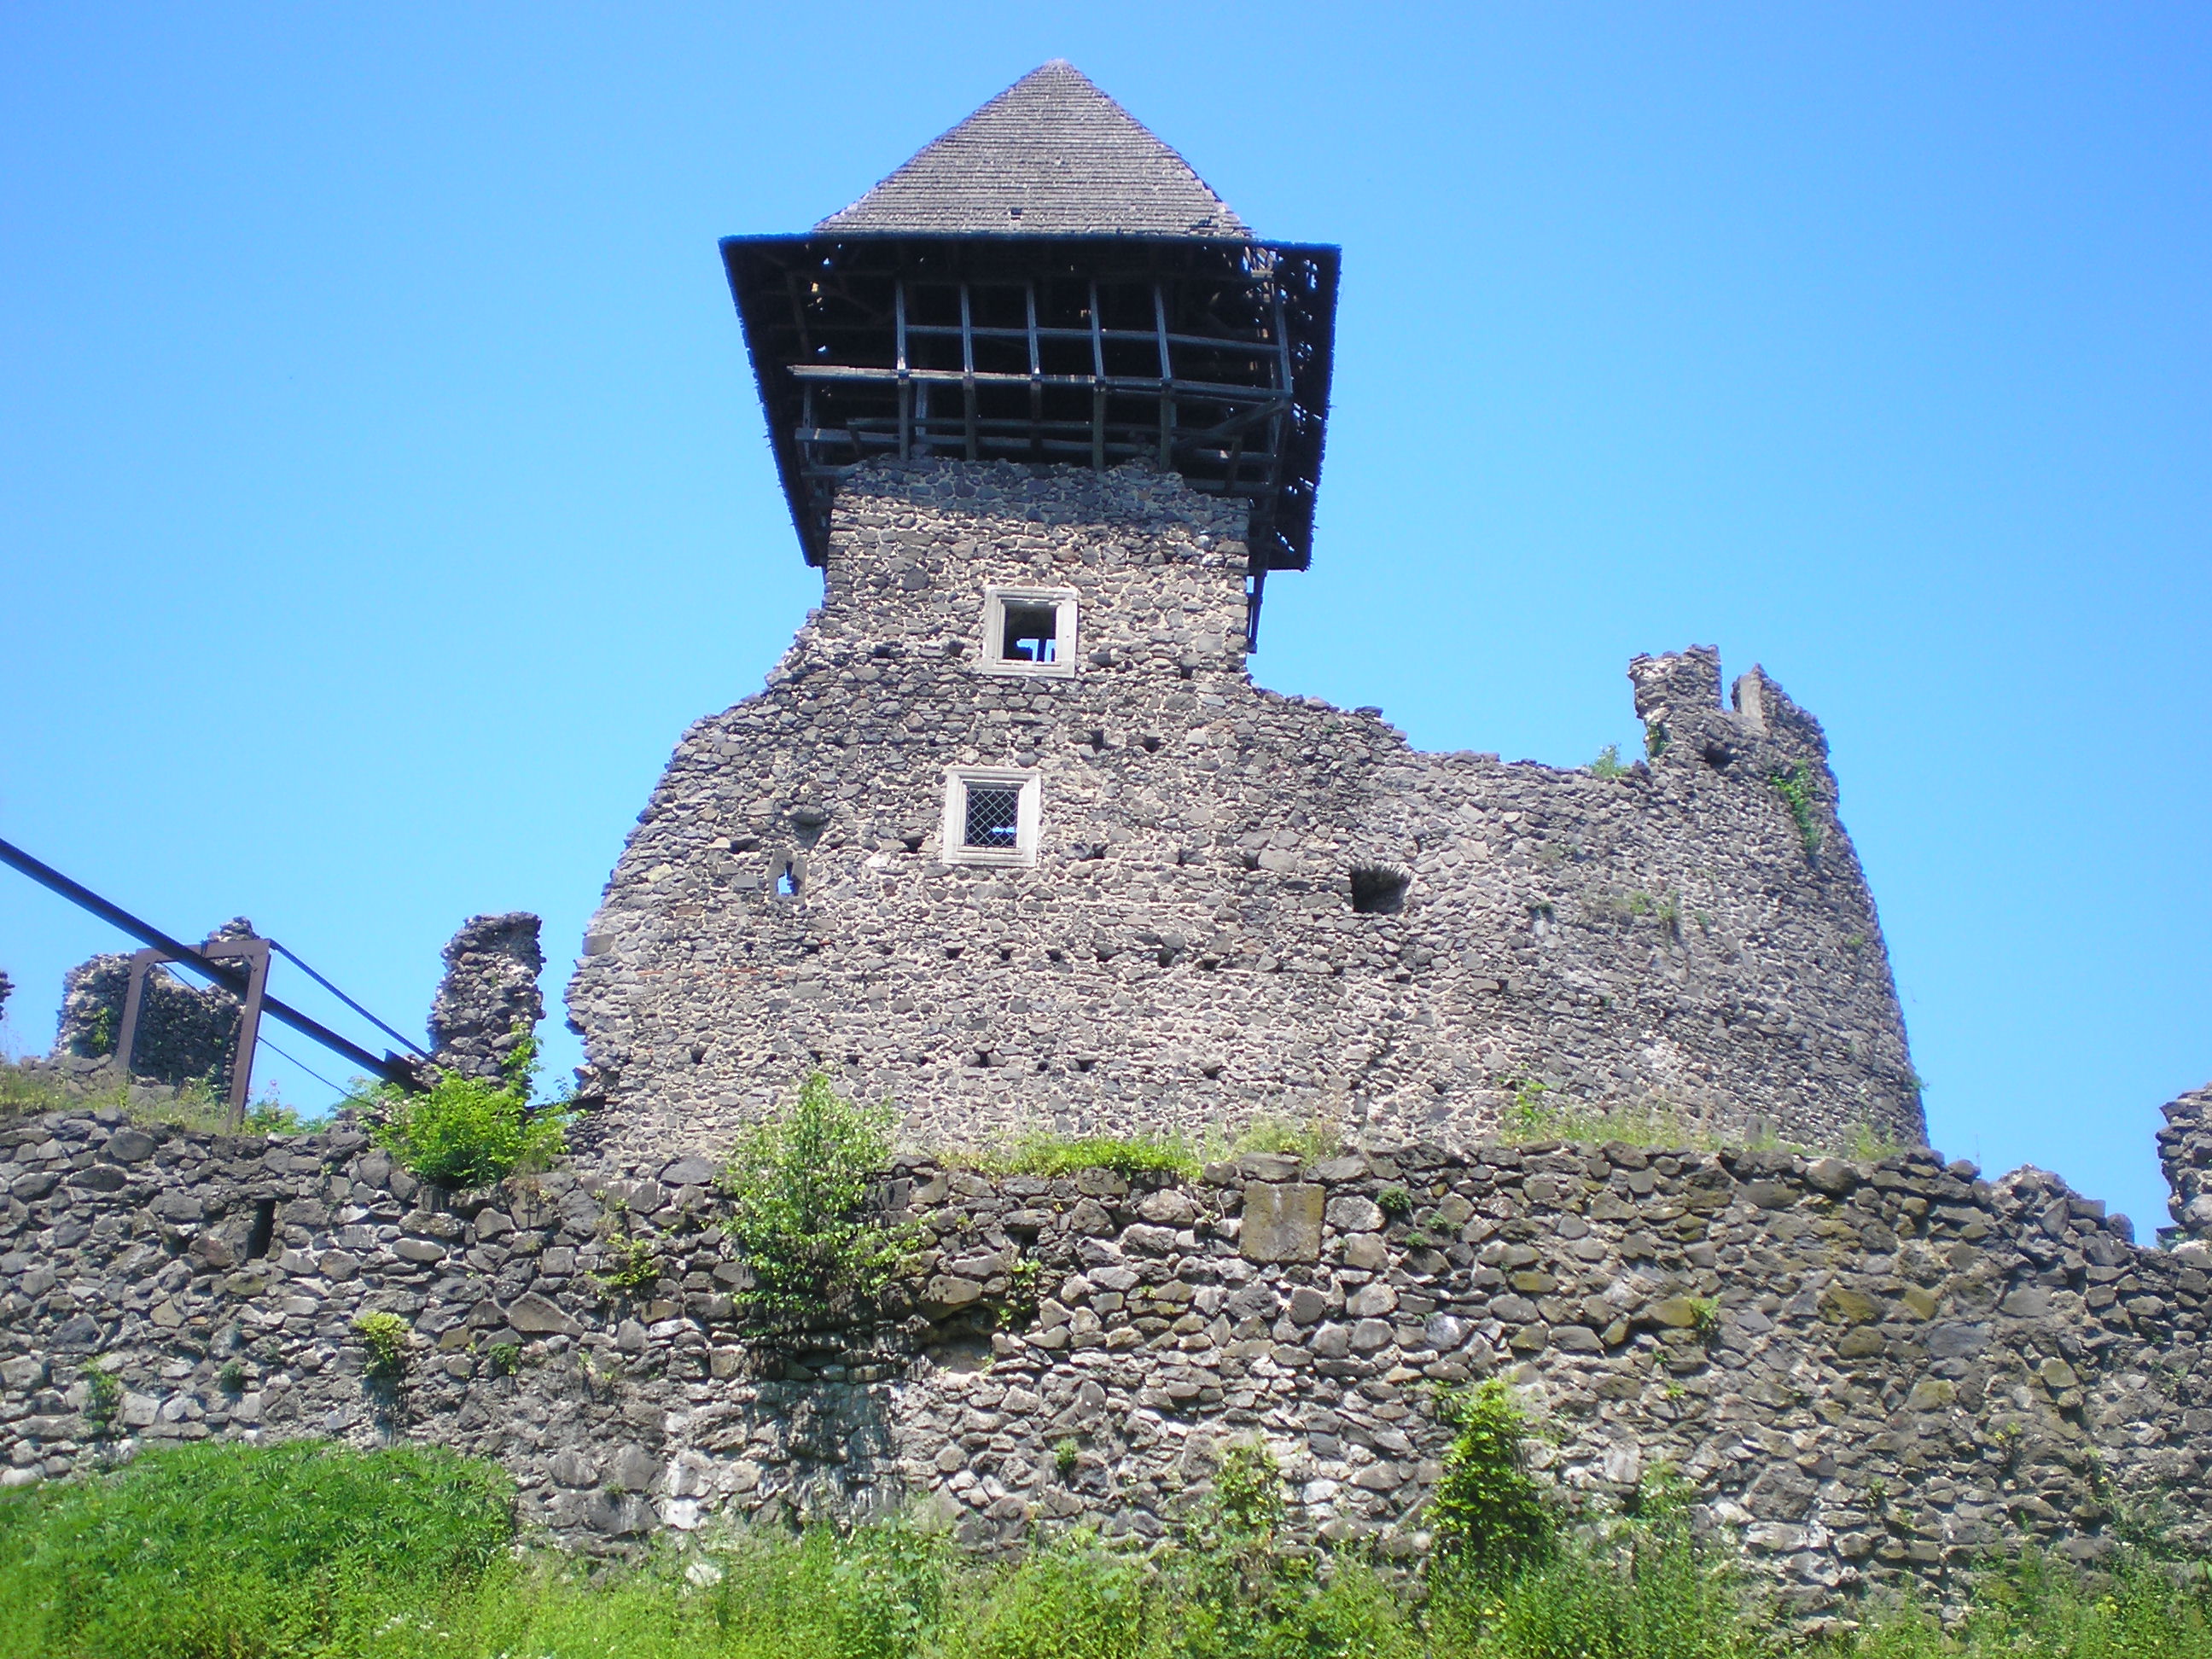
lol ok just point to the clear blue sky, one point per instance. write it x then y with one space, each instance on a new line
382 490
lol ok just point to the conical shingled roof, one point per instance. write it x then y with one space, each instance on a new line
1051 156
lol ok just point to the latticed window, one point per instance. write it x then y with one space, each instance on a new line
993 817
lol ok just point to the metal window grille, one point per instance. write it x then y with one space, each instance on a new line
993 817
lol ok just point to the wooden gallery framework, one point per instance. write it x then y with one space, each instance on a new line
1210 359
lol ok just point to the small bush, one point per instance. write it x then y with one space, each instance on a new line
1488 1517
798 1183
103 1398
1608 763
469 1132
384 1335
1797 786
1075 1599
631 1268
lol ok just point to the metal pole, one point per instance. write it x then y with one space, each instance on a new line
391 1068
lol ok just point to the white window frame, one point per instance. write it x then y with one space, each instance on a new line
1028 815
1063 600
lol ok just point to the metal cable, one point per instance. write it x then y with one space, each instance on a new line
265 1043
398 1036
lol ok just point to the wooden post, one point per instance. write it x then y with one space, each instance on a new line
968 372
1036 377
1098 385
905 385
1167 377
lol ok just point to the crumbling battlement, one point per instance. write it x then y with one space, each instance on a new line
2184 1151
1236 903
489 1000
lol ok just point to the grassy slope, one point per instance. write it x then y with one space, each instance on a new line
310 1549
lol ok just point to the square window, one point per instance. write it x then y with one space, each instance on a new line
1028 630
991 815
1031 632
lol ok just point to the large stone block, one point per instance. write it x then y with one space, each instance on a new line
1283 1221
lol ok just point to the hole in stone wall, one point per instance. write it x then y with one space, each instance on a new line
1151 745
1377 891
263 1231
786 882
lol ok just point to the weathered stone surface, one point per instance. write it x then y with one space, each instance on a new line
489 1000
1282 1221
786 898
1856 1362
534 1316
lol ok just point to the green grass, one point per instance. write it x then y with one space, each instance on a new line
1538 1112
1042 1153
194 1107
310 1550
221 1549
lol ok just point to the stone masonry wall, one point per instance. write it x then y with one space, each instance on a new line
2185 1152
489 995
1867 1369
1186 952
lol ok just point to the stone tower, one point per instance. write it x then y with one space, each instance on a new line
1013 839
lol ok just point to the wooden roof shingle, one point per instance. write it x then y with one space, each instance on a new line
1051 155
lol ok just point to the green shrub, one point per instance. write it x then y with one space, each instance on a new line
1647 1589
798 1183
1798 785
103 1398
469 1132
384 1335
1487 1515
631 1268
1608 763
1074 1598
230 1550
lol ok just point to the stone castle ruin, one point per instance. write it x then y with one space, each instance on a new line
1012 840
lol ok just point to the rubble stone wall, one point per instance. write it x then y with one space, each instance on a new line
1186 951
488 998
1867 1369
2185 1152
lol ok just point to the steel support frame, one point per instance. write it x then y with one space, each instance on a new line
254 954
